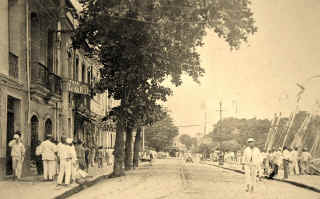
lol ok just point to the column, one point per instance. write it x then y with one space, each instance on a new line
4 37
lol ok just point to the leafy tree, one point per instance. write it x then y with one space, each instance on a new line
186 140
239 130
161 134
141 43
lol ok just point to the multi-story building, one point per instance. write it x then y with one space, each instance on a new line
45 84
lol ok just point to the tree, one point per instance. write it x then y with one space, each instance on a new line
186 140
142 43
161 134
234 131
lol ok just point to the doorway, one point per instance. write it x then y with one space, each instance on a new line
10 133
34 137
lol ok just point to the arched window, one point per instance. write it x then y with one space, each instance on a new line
48 127
83 73
76 69
70 52
34 136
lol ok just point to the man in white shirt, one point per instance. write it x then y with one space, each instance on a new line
306 159
294 161
17 155
48 149
66 155
251 161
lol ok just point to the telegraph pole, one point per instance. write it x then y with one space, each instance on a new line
220 128
220 114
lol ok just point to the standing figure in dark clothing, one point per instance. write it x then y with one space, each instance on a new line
39 163
86 156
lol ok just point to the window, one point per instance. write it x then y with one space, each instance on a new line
69 52
83 73
89 76
76 69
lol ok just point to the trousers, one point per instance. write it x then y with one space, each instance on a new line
295 167
65 171
49 169
17 166
251 175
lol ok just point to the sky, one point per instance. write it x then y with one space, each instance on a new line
260 78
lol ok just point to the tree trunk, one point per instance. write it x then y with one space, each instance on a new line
128 150
137 144
119 151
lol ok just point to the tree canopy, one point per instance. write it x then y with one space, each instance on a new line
161 134
186 140
236 131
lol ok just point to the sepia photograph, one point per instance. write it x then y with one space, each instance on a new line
159 99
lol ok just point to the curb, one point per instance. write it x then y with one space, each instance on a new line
297 184
86 185
81 187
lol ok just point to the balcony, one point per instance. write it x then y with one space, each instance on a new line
13 66
44 82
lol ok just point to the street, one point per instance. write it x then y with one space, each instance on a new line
173 179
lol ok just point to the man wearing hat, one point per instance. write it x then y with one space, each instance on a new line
65 154
251 161
17 155
48 149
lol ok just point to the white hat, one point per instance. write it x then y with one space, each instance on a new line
16 136
69 140
251 140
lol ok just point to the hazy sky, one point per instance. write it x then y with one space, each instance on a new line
261 77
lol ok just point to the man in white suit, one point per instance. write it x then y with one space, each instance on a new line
48 149
251 161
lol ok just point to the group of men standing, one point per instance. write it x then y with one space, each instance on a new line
256 163
293 161
61 157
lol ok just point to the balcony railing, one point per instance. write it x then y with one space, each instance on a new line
41 75
13 66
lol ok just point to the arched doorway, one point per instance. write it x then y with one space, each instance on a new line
34 136
48 127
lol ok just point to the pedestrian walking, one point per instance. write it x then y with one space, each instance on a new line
86 151
65 156
47 150
286 161
294 160
80 155
306 159
276 163
39 163
251 161
100 157
17 155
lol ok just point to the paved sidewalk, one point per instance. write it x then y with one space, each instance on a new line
33 187
307 181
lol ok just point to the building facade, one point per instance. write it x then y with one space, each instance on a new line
46 86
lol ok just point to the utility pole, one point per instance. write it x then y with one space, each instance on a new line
220 114
220 110
221 158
